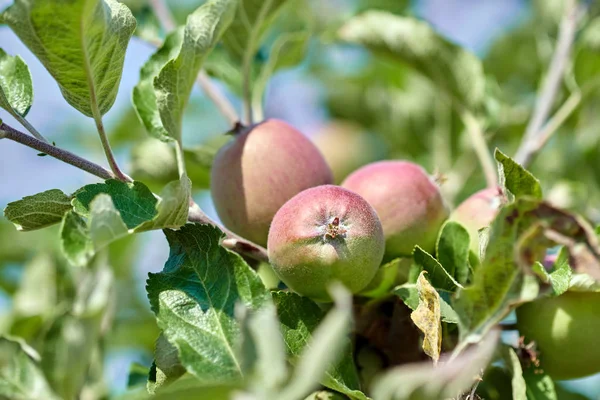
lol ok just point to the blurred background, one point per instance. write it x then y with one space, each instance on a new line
356 107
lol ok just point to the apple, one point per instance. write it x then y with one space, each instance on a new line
256 173
407 200
325 234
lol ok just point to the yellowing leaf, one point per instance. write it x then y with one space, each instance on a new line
427 317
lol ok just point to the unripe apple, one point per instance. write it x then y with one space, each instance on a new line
261 169
479 211
407 200
325 234
565 329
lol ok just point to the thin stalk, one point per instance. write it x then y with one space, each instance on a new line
107 149
247 72
180 159
162 12
8 132
566 36
30 127
479 145
232 241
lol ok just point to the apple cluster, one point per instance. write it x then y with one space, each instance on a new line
273 186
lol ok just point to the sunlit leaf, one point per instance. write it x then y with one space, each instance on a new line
440 278
410 296
38 211
16 88
81 43
173 206
105 223
513 364
517 179
194 299
452 251
75 241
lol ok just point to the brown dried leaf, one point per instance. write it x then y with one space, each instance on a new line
427 317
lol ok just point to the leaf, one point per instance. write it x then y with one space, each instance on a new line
76 245
517 179
134 201
440 278
38 211
385 279
20 375
540 385
323 349
299 317
288 50
194 298
452 251
144 96
513 365
81 43
428 319
262 351
174 82
252 19
447 380
172 208
519 237
166 367
16 88
450 67
410 296
105 223
560 276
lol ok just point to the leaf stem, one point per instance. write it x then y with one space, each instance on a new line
29 127
180 159
8 132
162 12
479 145
106 145
566 36
232 241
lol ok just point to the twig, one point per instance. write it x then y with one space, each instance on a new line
11 133
232 241
29 127
478 141
108 151
216 96
566 35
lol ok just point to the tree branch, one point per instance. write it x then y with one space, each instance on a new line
161 10
232 241
483 153
8 132
566 36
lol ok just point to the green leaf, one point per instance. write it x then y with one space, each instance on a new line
194 298
540 385
517 179
386 278
439 277
252 19
299 317
262 351
452 250
20 375
166 367
81 43
38 211
511 360
410 296
134 201
327 344
560 276
144 96
288 50
174 82
518 238
407 40
105 223
16 88
172 208
426 382
75 241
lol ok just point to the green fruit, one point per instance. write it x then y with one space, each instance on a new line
261 169
565 329
325 234
479 211
407 200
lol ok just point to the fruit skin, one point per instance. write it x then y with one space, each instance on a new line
565 329
479 211
261 169
407 200
324 234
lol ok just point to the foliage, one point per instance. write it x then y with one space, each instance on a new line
213 325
